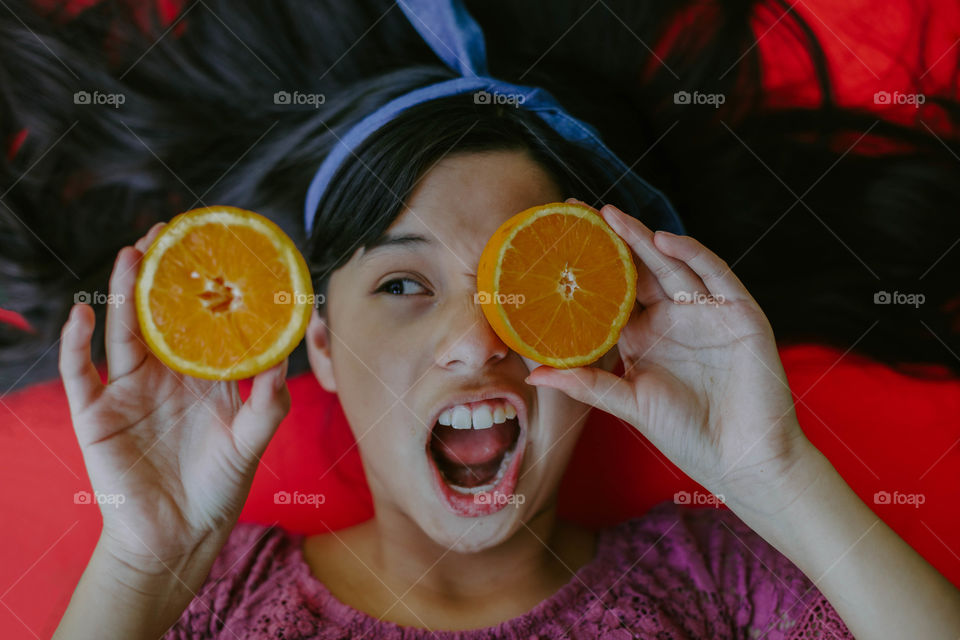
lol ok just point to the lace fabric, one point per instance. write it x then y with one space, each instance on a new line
675 573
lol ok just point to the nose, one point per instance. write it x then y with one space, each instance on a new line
468 341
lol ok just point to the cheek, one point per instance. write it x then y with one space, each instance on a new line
559 417
392 443
377 371
378 400
374 358
389 452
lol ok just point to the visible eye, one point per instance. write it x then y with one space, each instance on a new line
396 286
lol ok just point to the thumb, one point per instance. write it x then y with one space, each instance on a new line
261 414
593 386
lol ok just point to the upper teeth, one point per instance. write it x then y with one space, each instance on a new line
481 415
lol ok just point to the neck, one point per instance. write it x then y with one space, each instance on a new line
539 554
388 568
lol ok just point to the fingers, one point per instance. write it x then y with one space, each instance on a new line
261 414
80 378
124 344
673 276
590 385
712 270
649 290
144 243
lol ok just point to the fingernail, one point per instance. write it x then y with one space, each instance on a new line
537 383
666 233
611 214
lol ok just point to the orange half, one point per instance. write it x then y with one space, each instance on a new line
557 284
223 294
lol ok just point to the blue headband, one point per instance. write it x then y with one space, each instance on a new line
456 38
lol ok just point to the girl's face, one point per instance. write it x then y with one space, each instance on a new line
405 340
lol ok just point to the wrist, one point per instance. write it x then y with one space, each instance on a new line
151 597
188 561
880 586
144 598
796 503
777 489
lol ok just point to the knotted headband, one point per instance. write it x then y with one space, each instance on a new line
453 34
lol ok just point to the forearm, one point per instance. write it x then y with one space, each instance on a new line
118 599
878 584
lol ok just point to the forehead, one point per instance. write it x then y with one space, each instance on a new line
467 196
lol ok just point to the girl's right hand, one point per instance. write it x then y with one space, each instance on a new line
180 451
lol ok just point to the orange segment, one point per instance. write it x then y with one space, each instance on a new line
223 294
557 284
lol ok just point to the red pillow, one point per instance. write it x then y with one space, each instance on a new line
882 430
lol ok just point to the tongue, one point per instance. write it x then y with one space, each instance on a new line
473 446
471 457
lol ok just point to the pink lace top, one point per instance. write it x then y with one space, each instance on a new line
675 573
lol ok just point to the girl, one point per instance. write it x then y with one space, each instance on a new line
703 382
399 341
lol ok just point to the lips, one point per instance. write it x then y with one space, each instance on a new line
476 470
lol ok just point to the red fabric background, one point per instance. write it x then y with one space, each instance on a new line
882 430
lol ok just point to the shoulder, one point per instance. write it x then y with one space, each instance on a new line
255 561
253 548
709 542
706 563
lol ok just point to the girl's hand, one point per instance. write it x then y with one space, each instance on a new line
179 450
703 380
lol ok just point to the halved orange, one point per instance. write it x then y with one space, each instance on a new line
223 294
557 284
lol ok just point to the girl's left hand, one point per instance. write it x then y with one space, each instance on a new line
702 377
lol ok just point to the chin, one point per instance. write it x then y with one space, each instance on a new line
477 534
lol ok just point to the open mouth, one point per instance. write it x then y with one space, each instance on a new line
475 452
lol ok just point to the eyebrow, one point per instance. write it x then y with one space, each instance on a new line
407 240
